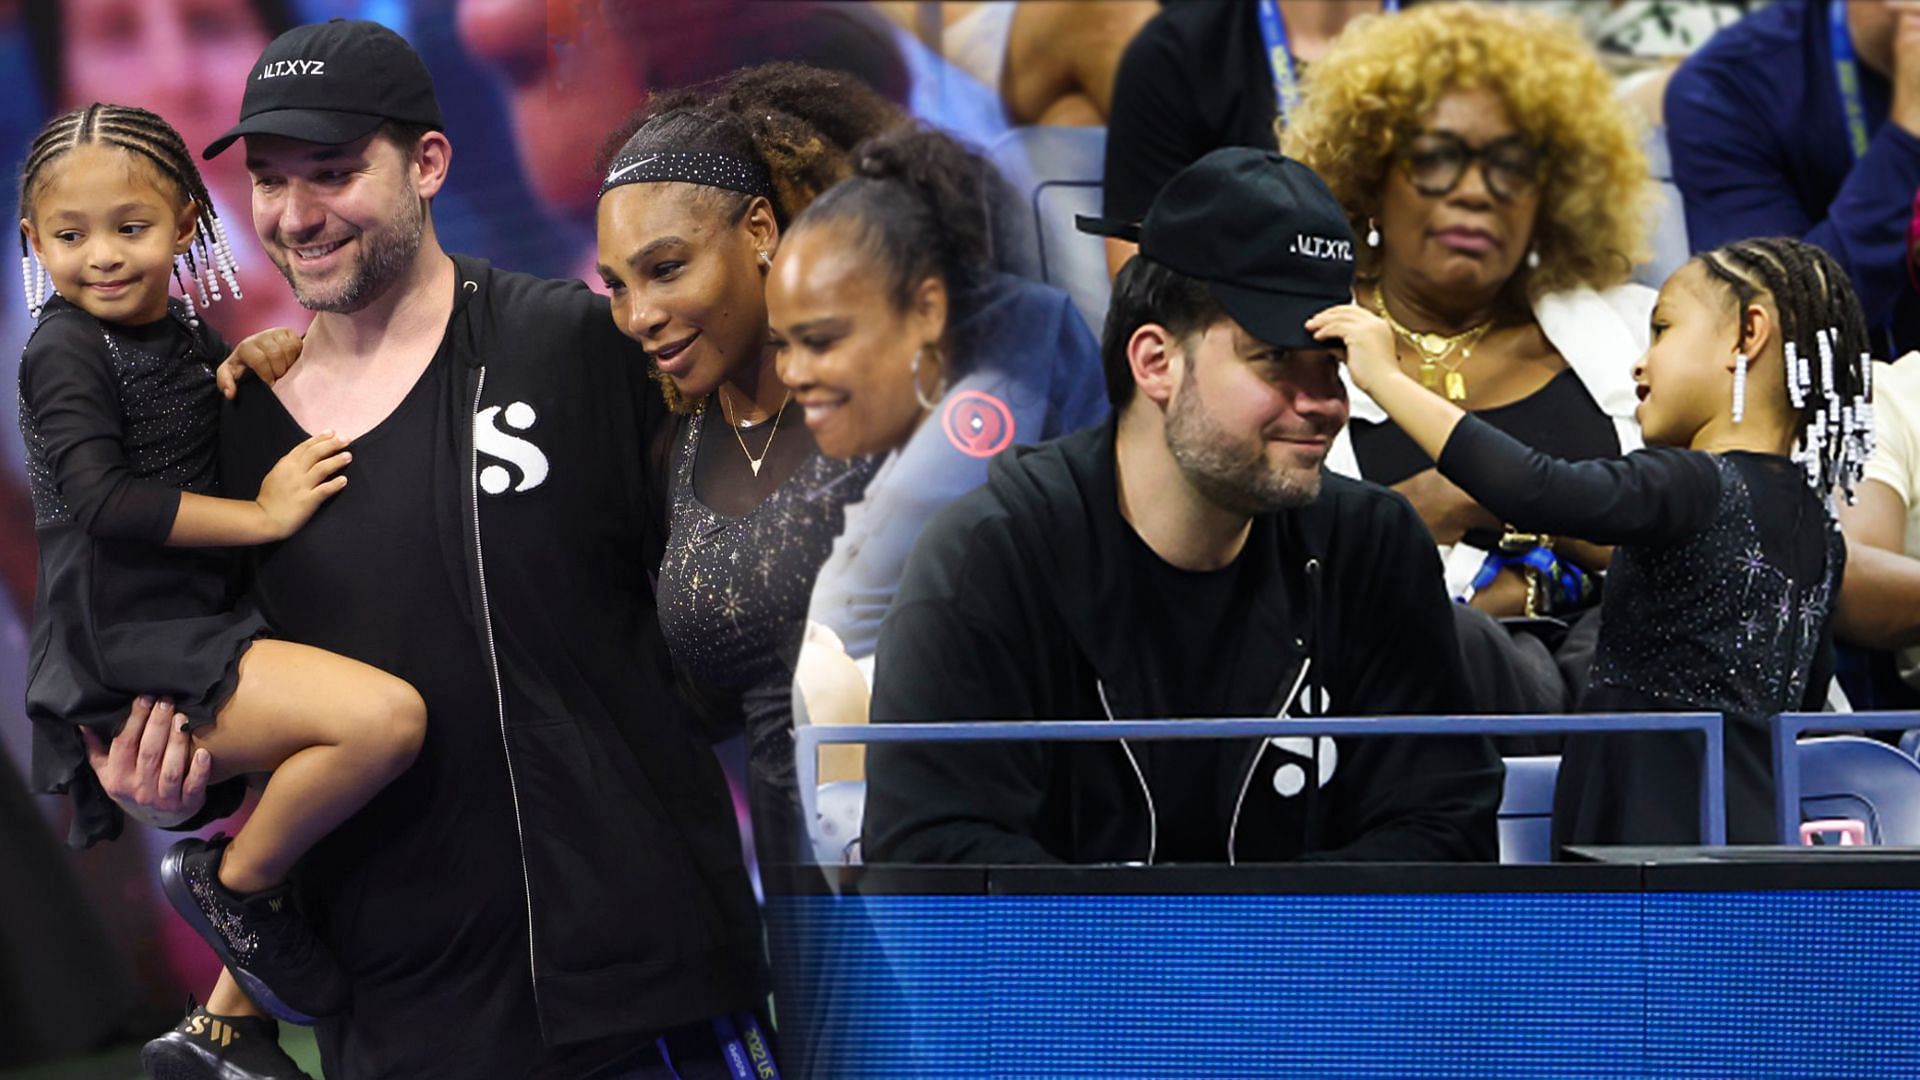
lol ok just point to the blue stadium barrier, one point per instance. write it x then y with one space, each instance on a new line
1526 809
1787 751
1849 777
1713 804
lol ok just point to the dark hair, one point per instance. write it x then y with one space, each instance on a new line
918 201
800 122
148 138
1815 300
46 34
1147 292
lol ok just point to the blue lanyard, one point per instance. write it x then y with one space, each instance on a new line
1273 31
1847 74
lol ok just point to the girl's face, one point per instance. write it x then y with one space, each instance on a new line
1686 377
843 345
107 228
687 283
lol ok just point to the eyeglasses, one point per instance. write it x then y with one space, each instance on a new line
1436 160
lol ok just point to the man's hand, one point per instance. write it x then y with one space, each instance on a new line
268 354
151 768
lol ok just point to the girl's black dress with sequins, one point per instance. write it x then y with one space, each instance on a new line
118 420
1719 600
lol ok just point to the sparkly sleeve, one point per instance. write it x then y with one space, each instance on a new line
69 404
1653 496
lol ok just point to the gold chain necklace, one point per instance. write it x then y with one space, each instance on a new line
1435 348
755 462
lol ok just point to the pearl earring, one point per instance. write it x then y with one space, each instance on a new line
1533 258
1373 234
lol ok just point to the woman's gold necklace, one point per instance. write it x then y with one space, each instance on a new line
755 462
1435 348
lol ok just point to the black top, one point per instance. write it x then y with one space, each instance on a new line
1718 600
1194 79
493 888
734 588
337 584
118 420
1031 598
1560 419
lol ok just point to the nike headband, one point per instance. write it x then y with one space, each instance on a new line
713 170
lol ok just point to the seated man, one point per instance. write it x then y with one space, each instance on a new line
1803 120
1189 559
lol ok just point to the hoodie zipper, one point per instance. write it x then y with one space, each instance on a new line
493 668
1153 816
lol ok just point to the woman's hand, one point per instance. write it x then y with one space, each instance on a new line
1369 340
300 482
268 354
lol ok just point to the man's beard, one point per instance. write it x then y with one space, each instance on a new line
385 254
1232 474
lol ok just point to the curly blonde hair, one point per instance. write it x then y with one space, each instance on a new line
1384 74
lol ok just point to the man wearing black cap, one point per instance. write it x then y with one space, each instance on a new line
555 888
1191 559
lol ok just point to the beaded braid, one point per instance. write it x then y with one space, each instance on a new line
208 260
1827 346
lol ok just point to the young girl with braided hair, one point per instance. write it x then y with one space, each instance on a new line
1755 400
119 413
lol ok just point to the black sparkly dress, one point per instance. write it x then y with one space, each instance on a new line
1719 599
118 420
734 590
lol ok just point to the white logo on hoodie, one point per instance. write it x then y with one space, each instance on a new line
1290 779
522 455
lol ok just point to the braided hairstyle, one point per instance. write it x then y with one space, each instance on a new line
209 258
1826 343
919 204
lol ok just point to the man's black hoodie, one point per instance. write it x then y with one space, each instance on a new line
1023 601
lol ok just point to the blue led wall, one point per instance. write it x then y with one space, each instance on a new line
1798 984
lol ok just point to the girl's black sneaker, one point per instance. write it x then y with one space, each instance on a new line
263 938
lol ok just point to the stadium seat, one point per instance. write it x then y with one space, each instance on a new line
836 822
1057 172
1669 238
1847 776
1526 809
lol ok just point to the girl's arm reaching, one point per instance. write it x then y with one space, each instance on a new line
1649 497
290 493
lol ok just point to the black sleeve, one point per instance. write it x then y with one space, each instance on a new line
69 394
941 659
213 345
1155 129
1397 797
1652 496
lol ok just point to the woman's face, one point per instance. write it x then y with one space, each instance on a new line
184 59
1468 241
844 346
687 282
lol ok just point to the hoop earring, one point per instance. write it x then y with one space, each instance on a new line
913 372
1739 386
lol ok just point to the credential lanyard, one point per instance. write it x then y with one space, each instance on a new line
1273 31
1846 74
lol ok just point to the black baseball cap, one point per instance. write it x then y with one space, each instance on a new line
1263 232
332 83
